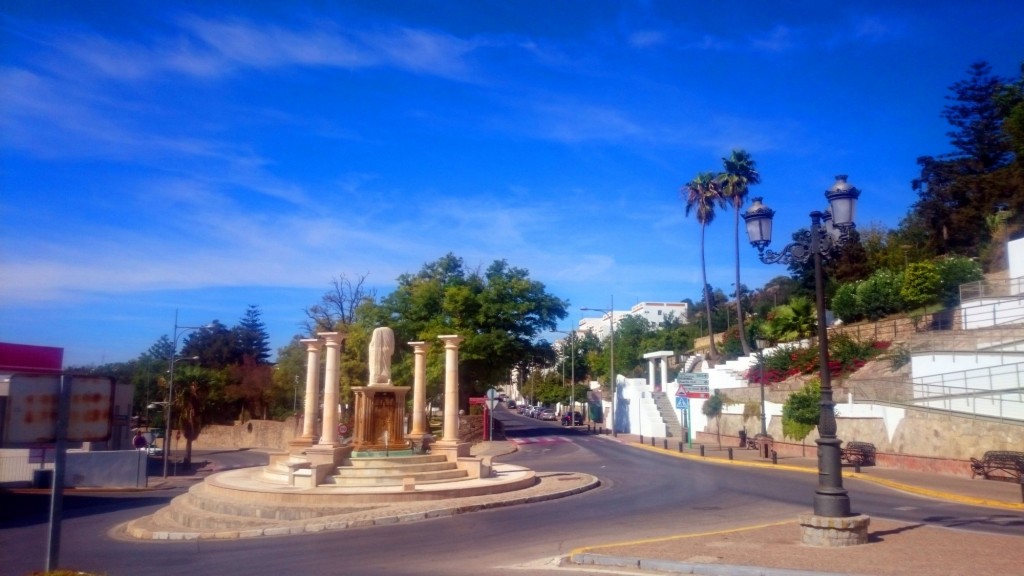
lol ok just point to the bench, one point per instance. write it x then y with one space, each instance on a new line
999 465
859 453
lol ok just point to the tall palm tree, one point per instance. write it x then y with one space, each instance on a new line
702 194
740 173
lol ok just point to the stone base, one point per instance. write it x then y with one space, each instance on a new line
329 454
421 443
452 450
393 452
834 532
299 445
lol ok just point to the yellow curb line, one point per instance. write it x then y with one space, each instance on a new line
880 481
585 549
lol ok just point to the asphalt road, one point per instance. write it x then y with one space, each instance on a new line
643 494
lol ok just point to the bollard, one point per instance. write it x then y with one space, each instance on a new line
775 457
664 443
702 450
730 453
681 449
652 441
856 466
641 438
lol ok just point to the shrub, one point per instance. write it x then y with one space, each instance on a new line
879 295
845 303
954 271
921 285
801 412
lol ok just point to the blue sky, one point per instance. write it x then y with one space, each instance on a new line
207 156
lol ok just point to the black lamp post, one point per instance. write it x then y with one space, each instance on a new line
829 231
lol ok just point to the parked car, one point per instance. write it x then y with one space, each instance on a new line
511 405
577 419
548 414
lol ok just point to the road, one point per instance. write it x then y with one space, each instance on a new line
643 494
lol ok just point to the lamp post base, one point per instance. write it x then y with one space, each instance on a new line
829 532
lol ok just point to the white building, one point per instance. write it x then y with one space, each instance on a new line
653 312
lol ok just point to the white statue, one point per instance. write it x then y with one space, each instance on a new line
382 346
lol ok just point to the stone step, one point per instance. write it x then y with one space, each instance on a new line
349 481
198 500
396 469
180 515
386 461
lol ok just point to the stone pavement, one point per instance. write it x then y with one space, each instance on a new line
775 549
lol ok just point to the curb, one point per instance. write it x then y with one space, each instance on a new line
909 488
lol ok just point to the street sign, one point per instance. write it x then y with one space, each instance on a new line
682 403
492 403
694 385
492 393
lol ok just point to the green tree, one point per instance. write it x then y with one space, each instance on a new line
921 283
845 303
194 400
215 345
287 394
702 195
251 336
740 173
879 294
797 318
802 410
499 312
957 191
712 408
249 385
349 307
954 271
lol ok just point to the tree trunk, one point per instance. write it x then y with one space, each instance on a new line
707 299
739 300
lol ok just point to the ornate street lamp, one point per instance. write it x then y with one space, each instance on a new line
822 241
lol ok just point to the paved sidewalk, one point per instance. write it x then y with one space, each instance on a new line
894 548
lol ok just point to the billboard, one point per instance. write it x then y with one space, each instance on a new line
34 400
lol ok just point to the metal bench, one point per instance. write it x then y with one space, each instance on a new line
999 465
859 453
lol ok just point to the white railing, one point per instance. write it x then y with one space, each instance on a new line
991 289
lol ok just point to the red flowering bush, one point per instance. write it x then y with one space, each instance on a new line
846 355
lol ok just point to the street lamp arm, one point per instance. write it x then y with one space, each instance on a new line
802 249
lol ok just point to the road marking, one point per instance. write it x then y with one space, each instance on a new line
542 440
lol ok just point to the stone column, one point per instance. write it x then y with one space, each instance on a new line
664 373
419 390
312 398
451 388
651 379
329 431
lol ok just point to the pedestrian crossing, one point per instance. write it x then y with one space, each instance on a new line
547 440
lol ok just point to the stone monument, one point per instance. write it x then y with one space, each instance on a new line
380 406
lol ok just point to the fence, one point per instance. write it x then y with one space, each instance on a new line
994 393
114 468
1012 287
